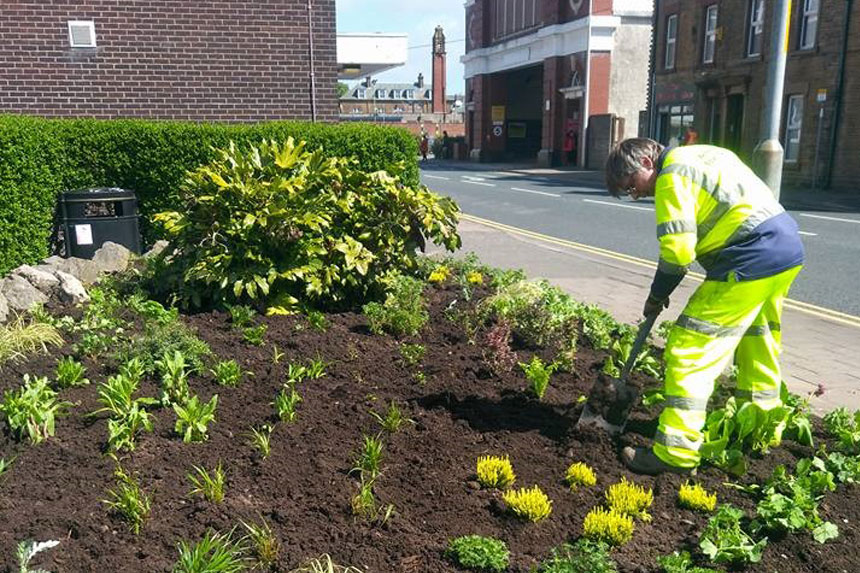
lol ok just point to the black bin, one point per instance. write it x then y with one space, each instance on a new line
91 217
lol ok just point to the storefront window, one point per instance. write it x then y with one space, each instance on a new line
673 120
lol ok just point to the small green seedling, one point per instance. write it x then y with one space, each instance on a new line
261 440
129 500
285 403
28 549
228 373
209 486
241 315
538 375
254 335
214 553
479 553
193 419
370 456
70 373
174 378
264 543
31 411
393 418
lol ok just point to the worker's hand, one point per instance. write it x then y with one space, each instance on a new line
654 306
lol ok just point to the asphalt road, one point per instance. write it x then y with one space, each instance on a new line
573 206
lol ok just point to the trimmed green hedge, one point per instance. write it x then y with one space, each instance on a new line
41 157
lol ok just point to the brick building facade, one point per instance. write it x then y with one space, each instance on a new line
214 60
538 71
711 60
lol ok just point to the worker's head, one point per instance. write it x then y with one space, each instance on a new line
631 168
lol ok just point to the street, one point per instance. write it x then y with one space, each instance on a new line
573 205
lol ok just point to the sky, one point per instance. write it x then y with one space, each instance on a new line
418 19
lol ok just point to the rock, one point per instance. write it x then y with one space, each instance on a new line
70 289
4 308
84 270
112 257
156 249
20 294
43 280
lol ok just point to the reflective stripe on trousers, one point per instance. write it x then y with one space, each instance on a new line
721 319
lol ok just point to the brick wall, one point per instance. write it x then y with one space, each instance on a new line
213 60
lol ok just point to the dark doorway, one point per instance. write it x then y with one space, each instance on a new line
524 113
734 122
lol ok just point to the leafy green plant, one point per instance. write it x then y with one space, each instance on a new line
611 527
538 373
210 486
315 368
261 440
584 556
365 505
845 427
725 541
123 430
478 553
174 379
279 223
845 469
263 542
164 339
254 335
579 474
241 315
19 338
277 355
4 466
630 499
412 354
402 313
392 420
32 410
70 372
317 320
151 310
134 370
285 403
495 472
228 373
26 550
619 352
215 553
369 458
296 373
193 418
680 563
695 497
129 500
528 503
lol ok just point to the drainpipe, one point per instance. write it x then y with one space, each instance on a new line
840 83
311 61
585 110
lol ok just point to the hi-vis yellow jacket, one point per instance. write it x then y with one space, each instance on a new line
713 209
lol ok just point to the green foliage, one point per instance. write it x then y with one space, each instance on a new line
402 313
261 440
584 556
619 352
209 486
846 469
31 410
315 368
42 157
286 401
324 564
538 373
254 334
680 563
845 427
70 372
528 503
241 315
174 379
129 500
392 420
412 354
263 542
611 527
215 553
478 553
123 430
495 472
4 466
193 418
102 325
159 340
26 550
365 505
228 373
20 338
369 458
279 224
630 499
725 541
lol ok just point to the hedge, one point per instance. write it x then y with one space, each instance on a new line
39 158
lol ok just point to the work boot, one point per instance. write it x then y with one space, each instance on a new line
643 461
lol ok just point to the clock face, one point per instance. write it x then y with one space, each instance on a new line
575 5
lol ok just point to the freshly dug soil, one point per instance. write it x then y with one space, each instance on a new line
461 411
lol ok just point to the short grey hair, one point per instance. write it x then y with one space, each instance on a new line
625 159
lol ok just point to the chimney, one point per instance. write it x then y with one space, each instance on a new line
420 82
438 71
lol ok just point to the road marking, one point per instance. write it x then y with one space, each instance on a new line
622 205
473 178
535 192
479 183
804 307
840 219
436 177
807 233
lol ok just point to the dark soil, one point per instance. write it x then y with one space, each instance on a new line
461 411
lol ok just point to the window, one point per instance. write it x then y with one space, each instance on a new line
361 93
409 94
512 16
710 35
756 26
379 94
808 24
82 34
395 94
793 123
671 41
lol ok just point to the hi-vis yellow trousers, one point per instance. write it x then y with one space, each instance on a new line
721 319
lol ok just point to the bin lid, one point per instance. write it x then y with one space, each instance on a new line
99 194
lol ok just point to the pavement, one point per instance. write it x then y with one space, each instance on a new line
819 346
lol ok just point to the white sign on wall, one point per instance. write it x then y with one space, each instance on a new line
84 234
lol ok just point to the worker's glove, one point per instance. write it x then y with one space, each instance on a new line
654 306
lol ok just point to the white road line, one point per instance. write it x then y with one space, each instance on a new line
840 219
807 233
479 183
622 205
535 192
436 177
473 178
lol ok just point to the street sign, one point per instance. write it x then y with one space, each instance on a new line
821 95
497 130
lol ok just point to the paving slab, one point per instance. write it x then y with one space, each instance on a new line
817 349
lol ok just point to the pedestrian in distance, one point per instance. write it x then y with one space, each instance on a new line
424 146
691 136
711 208
445 145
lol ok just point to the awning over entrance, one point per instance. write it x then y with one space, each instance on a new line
362 55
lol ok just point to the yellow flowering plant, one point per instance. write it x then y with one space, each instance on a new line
440 274
495 472
611 527
695 497
630 499
528 503
579 474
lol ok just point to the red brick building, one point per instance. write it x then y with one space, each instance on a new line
554 80
214 60
710 71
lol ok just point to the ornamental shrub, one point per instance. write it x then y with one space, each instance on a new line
584 556
402 313
528 503
695 497
495 472
630 499
579 474
478 553
611 527
281 225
